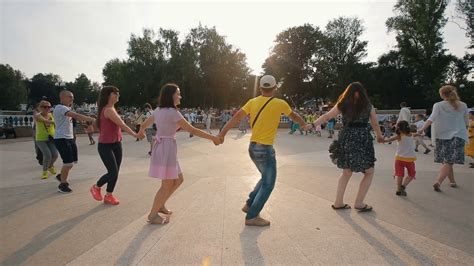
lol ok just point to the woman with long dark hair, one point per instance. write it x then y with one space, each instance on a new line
354 149
110 126
164 163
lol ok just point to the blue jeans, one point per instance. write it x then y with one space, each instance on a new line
264 158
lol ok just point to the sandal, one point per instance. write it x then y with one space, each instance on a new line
157 219
165 211
436 187
344 207
366 208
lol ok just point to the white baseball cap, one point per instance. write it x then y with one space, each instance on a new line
267 82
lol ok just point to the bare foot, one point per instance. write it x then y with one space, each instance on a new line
164 210
157 219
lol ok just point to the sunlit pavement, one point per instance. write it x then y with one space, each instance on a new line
40 226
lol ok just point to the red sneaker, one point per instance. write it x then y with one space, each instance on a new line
95 191
110 199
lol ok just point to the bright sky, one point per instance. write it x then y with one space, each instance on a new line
72 37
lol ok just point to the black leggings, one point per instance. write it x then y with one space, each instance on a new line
111 155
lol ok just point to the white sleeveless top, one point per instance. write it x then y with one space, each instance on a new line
406 149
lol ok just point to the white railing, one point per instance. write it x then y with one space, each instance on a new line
16 120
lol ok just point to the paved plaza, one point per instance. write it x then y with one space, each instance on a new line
40 226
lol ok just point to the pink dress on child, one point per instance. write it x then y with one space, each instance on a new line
164 160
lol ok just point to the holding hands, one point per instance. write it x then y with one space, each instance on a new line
140 134
217 141
307 127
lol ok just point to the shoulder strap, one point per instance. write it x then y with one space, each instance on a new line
260 111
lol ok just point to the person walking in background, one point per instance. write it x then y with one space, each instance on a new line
405 113
90 132
138 120
419 123
149 131
209 117
449 120
244 124
354 149
387 129
45 130
330 127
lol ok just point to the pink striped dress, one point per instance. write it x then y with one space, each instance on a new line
164 156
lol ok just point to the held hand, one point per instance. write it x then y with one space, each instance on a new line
221 138
216 140
48 122
92 120
380 139
307 127
141 134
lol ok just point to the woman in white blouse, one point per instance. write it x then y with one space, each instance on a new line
449 120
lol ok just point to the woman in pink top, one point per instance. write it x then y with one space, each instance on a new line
164 162
110 143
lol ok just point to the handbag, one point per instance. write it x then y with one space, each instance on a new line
335 151
260 111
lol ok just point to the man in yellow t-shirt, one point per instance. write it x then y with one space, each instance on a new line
265 112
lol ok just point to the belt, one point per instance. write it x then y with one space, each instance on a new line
357 125
159 139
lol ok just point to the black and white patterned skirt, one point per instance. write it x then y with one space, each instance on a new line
449 151
354 150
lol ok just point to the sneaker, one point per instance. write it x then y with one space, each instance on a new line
436 187
58 177
149 153
427 151
96 194
401 193
44 175
64 188
52 170
110 199
416 150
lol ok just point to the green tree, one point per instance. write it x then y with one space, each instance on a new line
343 51
465 9
44 85
12 88
209 71
418 25
82 89
292 59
